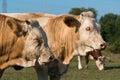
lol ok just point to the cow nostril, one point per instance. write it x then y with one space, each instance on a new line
51 58
103 45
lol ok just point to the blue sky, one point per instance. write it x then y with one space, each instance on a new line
61 6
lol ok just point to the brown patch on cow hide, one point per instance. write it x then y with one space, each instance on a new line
11 45
61 38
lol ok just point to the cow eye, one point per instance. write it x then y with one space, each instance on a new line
88 29
39 41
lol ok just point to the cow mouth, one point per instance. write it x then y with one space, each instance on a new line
42 62
102 47
96 50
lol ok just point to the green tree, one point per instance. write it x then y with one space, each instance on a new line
110 24
117 25
115 46
108 28
77 11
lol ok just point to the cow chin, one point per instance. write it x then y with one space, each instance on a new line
40 62
43 61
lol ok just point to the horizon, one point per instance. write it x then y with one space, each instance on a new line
60 7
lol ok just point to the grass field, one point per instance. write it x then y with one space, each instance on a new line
111 72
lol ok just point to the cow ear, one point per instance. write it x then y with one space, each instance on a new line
26 27
32 23
27 22
13 25
72 22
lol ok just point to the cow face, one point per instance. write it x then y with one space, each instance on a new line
100 62
36 46
99 59
89 34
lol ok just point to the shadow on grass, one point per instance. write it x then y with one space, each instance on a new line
112 67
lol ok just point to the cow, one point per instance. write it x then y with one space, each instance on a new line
68 35
94 55
22 43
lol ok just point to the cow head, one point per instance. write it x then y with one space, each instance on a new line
36 46
89 34
99 59
88 29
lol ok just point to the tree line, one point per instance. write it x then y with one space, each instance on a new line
110 28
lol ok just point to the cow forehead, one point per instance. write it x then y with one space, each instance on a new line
88 21
91 22
37 30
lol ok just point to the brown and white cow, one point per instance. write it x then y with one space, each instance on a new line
94 55
67 35
22 43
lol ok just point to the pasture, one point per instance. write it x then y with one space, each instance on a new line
111 72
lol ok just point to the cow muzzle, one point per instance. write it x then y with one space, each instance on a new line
51 58
44 59
103 46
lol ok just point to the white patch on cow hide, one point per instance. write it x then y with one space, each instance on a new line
31 48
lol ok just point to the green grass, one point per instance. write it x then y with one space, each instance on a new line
24 74
112 71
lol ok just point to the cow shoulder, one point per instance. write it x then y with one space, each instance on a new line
8 37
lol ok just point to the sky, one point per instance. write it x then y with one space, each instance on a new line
61 6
